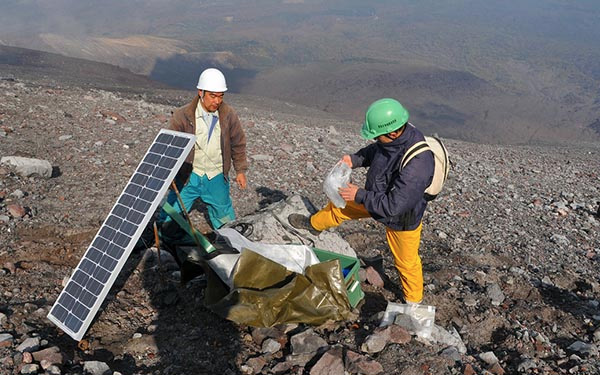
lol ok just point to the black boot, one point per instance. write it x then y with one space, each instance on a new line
299 221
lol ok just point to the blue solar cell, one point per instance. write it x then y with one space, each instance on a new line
73 289
114 222
101 275
165 138
152 158
94 255
94 286
100 244
67 301
167 162
133 189
73 323
141 205
80 277
115 251
87 266
120 211
179 142
154 184
121 240
158 148
139 179
59 312
128 228
174 152
108 263
87 299
135 217
107 233
146 168
148 195
80 311
161 173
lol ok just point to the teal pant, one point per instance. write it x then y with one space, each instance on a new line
214 193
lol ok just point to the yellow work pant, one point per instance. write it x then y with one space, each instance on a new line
404 245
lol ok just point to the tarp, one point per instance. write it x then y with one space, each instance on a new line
265 285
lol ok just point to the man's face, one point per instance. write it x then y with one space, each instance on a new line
211 100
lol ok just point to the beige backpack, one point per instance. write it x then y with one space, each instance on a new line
442 163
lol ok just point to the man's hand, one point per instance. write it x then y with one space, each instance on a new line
240 178
346 159
348 192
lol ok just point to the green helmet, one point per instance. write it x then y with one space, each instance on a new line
383 117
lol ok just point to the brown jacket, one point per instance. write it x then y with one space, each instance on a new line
233 139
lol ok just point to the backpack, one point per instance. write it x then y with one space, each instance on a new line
442 163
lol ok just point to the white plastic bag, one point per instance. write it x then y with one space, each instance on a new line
415 318
339 176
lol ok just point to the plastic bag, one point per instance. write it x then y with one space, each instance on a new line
339 176
415 318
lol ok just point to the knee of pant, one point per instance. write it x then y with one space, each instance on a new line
403 264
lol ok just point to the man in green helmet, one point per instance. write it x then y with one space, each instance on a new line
392 195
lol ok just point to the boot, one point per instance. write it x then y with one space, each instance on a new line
299 221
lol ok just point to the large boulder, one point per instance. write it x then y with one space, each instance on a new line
270 225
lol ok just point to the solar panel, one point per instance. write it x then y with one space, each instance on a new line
93 277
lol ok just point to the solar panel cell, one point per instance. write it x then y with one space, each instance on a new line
158 148
94 255
135 217
59 311
101 275
80 278
115 251
141 205
152 158
160 173
73 323
133 189
94 286
120 211
167 162
67 301
107 233
154 184
174 152
166 138
87 266
139 179
128 228
148 195
90 282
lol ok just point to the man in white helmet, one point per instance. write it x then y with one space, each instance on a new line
220 142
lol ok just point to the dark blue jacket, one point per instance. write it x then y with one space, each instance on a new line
392 196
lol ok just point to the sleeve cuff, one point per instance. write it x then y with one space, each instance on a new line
360 196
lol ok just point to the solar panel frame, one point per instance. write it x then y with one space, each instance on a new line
92 279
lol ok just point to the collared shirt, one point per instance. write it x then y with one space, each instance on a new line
208 159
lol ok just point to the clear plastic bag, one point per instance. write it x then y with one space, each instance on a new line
339 176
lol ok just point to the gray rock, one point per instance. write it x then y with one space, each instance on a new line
584 348
307 342
30 344
330 363
27 167
6 339
30 369
495 293
96 368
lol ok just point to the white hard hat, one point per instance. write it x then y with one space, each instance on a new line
212 80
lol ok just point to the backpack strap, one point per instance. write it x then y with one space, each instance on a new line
413 151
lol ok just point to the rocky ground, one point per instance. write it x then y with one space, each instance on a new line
510 250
